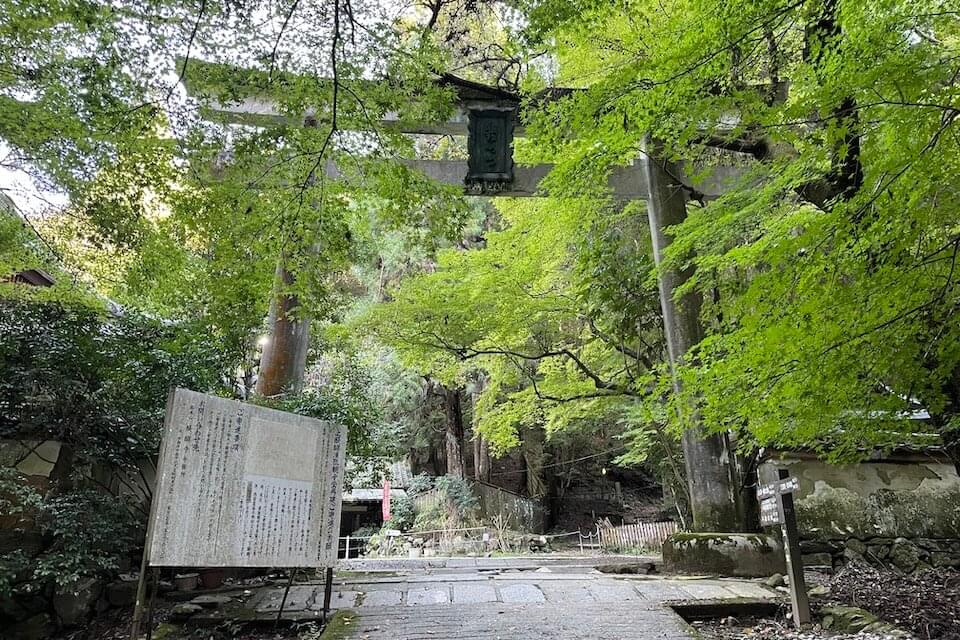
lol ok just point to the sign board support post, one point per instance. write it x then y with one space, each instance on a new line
148 540
141 594
791 549
327 592
286 592
154 589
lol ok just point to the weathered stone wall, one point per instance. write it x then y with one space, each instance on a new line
902 510
906 554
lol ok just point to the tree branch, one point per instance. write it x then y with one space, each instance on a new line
186 58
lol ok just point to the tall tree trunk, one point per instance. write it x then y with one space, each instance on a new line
949 436
711 466
483 459
285 353
532 446
453 419
481 450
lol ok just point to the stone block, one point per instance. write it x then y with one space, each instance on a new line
817 546
37 627
904 555
817 560
727 554
847 619
122 593
73 603
852 555
927 543
856 546
878 552
944 559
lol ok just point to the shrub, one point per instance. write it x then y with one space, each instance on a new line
85 531
419 484
401 514
459 493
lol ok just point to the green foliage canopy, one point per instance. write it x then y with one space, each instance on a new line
829 272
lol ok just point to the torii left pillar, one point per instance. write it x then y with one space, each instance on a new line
284 355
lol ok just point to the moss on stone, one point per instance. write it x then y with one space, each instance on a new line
732 554
339 626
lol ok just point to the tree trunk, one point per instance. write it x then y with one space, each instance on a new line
483 459
533 456
284 355
711 466
949 437
453 419
481 450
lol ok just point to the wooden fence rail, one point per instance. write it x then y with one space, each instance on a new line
642 535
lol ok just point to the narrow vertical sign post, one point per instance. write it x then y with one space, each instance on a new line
776 508
385 505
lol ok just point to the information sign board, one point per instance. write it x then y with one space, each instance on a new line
245 486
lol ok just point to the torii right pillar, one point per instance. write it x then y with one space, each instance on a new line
713 477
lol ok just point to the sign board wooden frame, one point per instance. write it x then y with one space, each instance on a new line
240 485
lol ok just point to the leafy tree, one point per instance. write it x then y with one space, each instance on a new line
97 383
828 272
557 316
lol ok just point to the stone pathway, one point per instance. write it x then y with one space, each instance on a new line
543 621
520 605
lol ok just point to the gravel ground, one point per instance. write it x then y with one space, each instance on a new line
926 603
769 629
925 606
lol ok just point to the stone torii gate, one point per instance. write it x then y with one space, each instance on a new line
490 118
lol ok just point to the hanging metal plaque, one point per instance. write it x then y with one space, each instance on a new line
490 147
770 512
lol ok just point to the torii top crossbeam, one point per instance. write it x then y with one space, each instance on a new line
481 112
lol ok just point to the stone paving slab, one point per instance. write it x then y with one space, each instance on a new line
660 590
338 600
566 593
381 598
613 592
474 593
521 593
749 590
299 598
707 591
428 595
518 622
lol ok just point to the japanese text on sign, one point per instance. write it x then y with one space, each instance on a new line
245 486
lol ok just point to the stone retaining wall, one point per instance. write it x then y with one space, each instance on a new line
900 510
905 554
